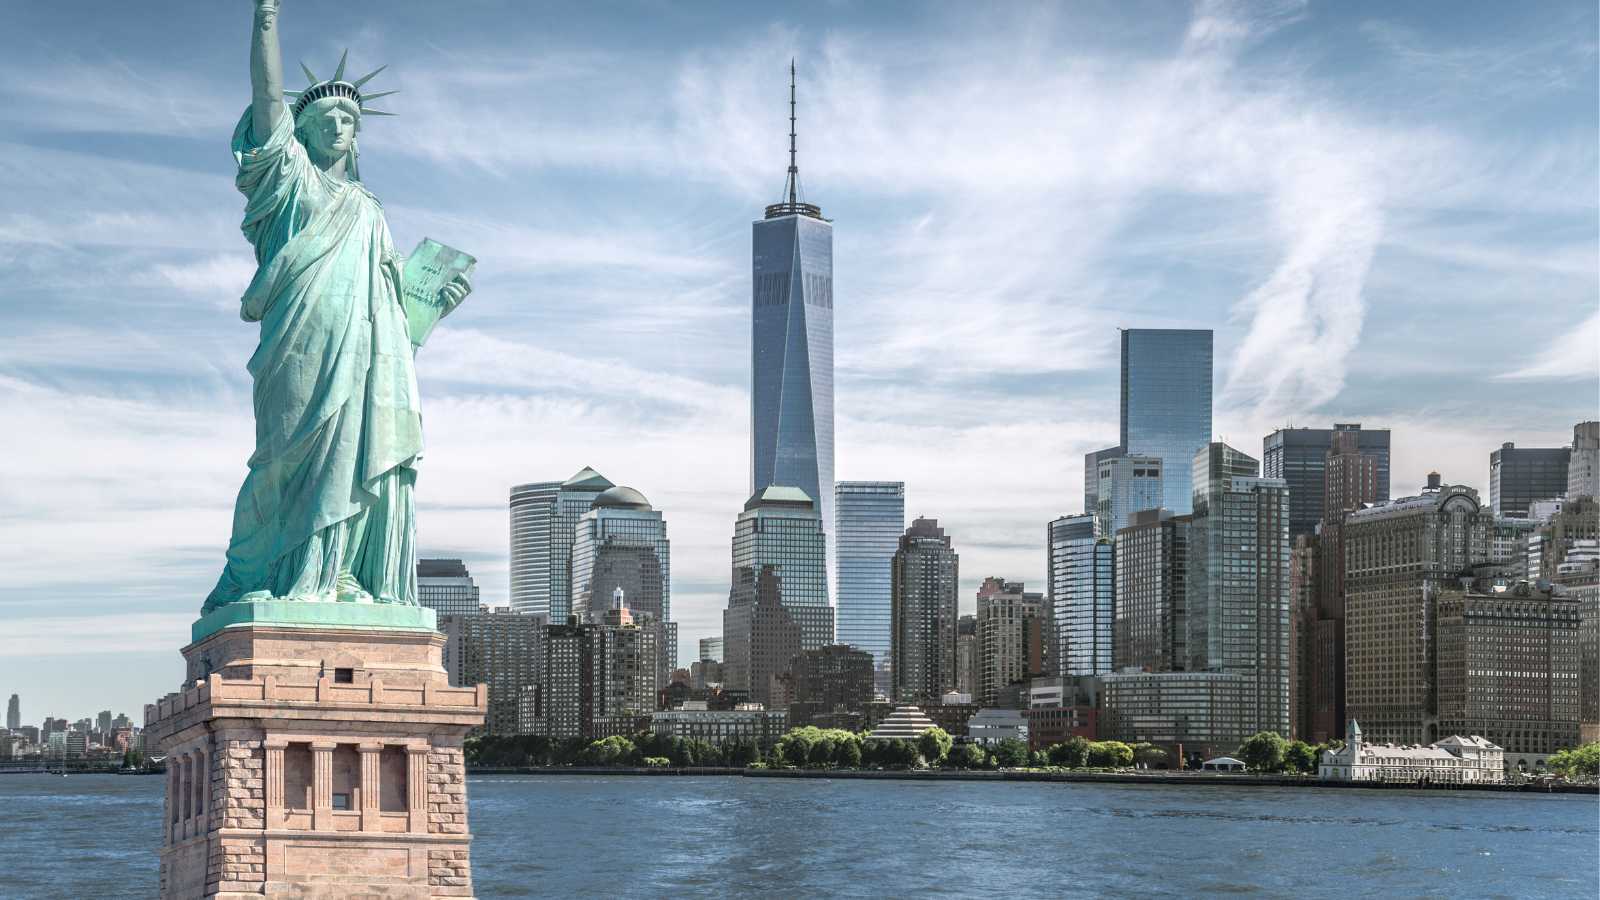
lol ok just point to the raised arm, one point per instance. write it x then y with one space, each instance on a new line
266 70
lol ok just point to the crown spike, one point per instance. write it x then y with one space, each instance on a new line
311 77
343 57
366 97
367 77
294 94
374 112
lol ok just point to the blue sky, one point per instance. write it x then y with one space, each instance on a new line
1387 212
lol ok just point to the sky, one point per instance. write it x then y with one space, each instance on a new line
1387 213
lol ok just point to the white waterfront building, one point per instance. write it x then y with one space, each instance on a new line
1454 760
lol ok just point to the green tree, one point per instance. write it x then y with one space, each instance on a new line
1110 754
1148 755
1038 759
1300 757
898 753
1011 753
1073 753
820 756
656 762
132 759
934 745
968 756
1264 751
612 751
847 753
1577 762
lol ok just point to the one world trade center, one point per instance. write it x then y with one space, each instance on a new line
791 347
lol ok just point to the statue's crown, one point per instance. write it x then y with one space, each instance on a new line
337 87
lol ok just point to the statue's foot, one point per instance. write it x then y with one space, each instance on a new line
350 590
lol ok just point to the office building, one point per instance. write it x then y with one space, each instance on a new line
544 519
1149 630
445 586
599 679
14 713
621 544
1519 476
1082 601
498 647
791 348
869 518
746 722
1011 637
711 649
1166 403
781 529
1299 456
1237 605
1091 476
760 634
967 655
988 727
1127 484
924 581
1190 715
1583 463
834 682
1395 555
1507 666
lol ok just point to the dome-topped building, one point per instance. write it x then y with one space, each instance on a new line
621 497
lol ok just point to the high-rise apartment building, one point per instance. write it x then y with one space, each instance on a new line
832 684
1151 564
1507 666
14 713
1237 605
869 518
781 529
1011 637
1299 456
1583 464
1520 475
1396 554
544 518
599 679
791 347
924 580
967 655
760 634
1082 599
1127 484
446 587
1166 402
501 648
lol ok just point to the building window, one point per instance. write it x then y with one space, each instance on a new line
344 676
297 777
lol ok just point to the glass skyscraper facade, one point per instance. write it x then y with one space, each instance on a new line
620 545
1166 402
791 355
1520 475
445 586
1127 484
870 516
1081 596
544 520
780 531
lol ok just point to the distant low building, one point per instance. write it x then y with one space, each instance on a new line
1454 760
694 721
1061 707
905 723
991 726
1197 713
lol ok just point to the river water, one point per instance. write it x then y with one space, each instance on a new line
577 836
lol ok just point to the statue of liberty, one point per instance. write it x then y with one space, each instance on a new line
326 512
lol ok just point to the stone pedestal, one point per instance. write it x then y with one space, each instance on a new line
316 759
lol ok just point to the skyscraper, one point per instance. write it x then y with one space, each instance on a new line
791 347
1298 456
1081 596
544 516
1166 402
926 571
1011 644
445 586
781 530
14 713
1237 609
870 515
499 648
1151 568
1397 554
621 544
1127 484
1520 475
1583 466
759 633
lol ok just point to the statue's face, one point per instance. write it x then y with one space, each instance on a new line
329 129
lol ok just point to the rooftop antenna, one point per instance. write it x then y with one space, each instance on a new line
794 168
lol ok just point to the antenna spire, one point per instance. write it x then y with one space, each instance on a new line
794 169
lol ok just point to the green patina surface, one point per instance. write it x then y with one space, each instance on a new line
303 614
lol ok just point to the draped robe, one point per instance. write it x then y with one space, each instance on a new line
326 511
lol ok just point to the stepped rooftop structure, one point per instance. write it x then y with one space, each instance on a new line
906 722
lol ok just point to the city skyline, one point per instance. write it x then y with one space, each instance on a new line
1323 276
